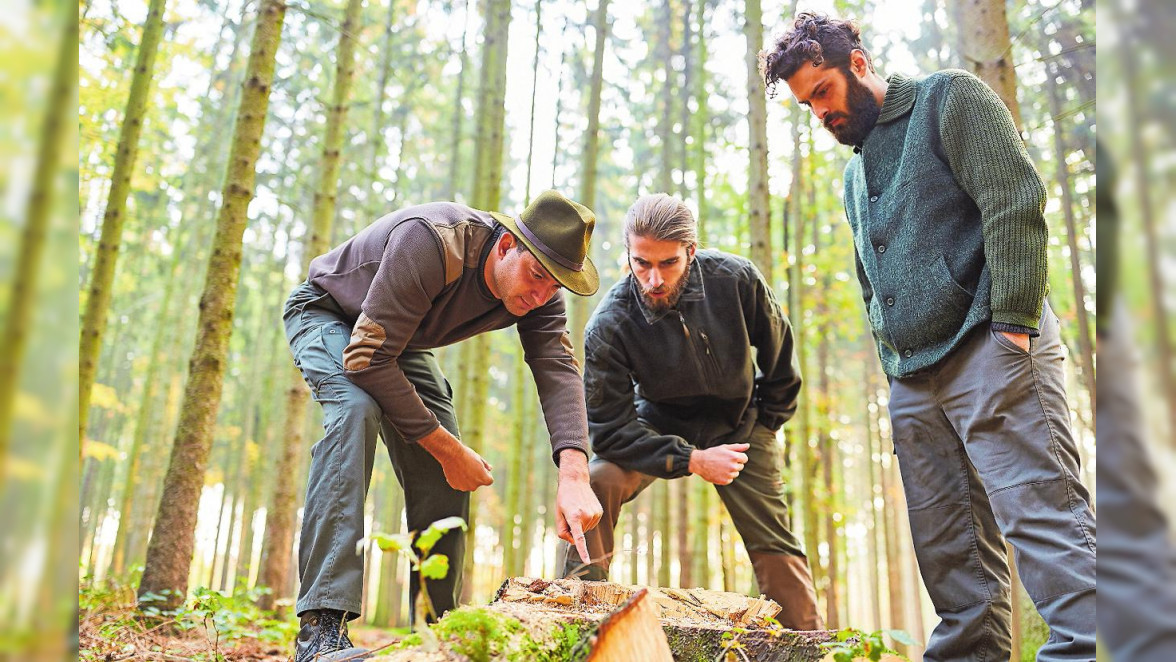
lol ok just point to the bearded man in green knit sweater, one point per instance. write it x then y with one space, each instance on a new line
950 241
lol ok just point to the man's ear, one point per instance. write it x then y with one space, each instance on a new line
505 243
858 62
690 250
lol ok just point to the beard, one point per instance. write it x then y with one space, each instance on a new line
671 294
862 114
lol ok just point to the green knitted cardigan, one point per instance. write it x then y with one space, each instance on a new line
948 220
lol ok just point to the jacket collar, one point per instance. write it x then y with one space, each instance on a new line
899 99
694 291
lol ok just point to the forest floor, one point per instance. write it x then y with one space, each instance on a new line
210 628
117 635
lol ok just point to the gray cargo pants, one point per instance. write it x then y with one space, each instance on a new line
984 447
330 570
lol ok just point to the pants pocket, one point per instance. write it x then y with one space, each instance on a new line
320 354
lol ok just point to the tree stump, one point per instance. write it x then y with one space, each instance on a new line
569 619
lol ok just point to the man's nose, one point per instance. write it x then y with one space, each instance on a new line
655 278
821 112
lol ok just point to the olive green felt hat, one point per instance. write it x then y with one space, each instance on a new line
557 231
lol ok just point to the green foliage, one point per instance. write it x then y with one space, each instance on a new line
482 635
435 567
225 617
426 540
852 644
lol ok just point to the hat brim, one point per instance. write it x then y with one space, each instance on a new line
584 282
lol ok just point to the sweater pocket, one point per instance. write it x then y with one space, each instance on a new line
933 309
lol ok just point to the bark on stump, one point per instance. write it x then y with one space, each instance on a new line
570 619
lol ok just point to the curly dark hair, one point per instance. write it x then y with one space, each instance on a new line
814 38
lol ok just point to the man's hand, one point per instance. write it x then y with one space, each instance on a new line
464 469
719 465
1019 339
576 507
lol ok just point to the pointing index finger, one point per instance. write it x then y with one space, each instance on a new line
578 538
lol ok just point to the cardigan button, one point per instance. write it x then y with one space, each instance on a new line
873 198
889 301
881 248
908 353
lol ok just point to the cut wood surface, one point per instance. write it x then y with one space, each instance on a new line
570 619
632 632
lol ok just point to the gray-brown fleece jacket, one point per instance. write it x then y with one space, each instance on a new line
413 280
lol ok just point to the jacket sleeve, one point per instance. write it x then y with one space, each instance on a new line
777 383
988 159
547 349
410 275
618 433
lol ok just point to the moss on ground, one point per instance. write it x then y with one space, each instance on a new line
483 635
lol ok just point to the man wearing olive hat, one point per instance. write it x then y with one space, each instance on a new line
361 329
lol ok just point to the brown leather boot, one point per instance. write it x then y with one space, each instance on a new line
787 580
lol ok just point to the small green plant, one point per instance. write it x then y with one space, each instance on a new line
852 644
429 565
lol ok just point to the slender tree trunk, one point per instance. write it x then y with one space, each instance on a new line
686 551
1141 160
1085 343
517 470
20 318
280 517
700 120
665 122
487 195
579 306
702 533
458 112
373 202
759 199
829 459
873 464
987 50
662 526
102 277
169 555
534 88
727 549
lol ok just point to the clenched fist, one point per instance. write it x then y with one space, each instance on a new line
464 469
719 465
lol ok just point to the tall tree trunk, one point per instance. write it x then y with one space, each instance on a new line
759 199
1063 174
146 408
99 293
829 459
534 89
580 310
682 497
665 121
54 132
702 530
662 525
700 121
487 195
458 112
987 50
373 202
280 517
169 555
514 489
873 465
1141 160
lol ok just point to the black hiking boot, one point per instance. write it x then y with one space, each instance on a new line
323 638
